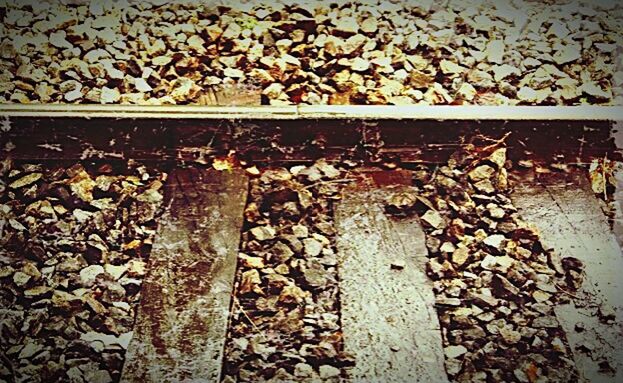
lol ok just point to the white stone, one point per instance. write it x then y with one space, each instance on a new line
89 273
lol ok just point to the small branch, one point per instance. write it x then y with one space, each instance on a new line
566 291
257 329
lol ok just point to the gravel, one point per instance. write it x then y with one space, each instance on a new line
378 52
495 284
74 243
286 316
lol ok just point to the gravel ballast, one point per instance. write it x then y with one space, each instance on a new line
374 52
75 241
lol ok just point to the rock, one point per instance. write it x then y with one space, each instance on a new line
503 288
399 203
495 51
115 271
232 31
354 44
183 89
495 241
280 252
263 233
37 291
251 262
273 91
6 271
369 25
292 294
527 94
58 40
447 247
480 173
460 256
509 335
313 248
566 54
300 231
541 296
434 219
498 157
30 349
545 321
303 370
82 186
346 25
453 352
109 96
89 273
445 301
495 211
122 340
595 90
233 73
449 67
98 376
20 278
136 268
326 371
315 274
25 181
484 186
500 72
250 281
196 43
141 85
360 65
467 92
161 60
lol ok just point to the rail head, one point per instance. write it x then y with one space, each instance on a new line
318 112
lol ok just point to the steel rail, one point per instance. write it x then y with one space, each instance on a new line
321 112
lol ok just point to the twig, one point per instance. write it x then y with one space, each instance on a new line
249 318
566 292
495 143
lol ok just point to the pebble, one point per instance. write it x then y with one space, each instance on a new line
263 233
434 219
453 352
326 371
313 248
495 241
25 180
480 173
89 273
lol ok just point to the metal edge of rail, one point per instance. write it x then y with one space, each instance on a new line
321 112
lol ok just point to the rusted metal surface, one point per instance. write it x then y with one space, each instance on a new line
181 323
388 317
567 213
297 140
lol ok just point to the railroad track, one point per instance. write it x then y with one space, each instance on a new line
291 244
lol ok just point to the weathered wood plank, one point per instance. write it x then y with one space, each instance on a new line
182 319
388 318
571 222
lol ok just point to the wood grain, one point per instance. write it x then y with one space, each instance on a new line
182 319
570 220
388 318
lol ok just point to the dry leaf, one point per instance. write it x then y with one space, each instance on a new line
227 163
